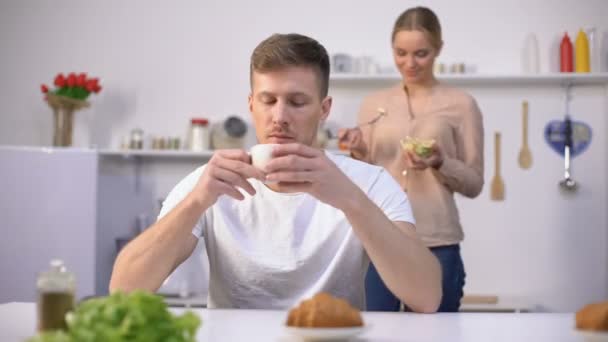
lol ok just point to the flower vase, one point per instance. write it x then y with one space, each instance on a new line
63 117
63 121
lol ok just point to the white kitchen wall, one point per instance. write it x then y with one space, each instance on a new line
161 63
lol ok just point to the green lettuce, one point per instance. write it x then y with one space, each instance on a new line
423 148
138 316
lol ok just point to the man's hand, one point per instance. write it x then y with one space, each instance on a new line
225 172
300 168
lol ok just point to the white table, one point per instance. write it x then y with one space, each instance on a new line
17 321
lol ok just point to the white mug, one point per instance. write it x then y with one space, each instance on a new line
261 154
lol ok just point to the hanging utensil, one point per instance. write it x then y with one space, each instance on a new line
497 190
580 132
525 156
567 184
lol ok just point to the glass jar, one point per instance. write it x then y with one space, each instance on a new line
198 135
137 139
56 288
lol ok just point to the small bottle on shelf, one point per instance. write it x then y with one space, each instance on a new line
566 55
198 136
530 58
137 139
582 52
594 49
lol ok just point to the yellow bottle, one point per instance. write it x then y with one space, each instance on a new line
581 52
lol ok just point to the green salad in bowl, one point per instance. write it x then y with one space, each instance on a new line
422 147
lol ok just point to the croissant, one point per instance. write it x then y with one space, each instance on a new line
593 317
324 310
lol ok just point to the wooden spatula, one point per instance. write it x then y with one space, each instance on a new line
479 299
497 191
525 156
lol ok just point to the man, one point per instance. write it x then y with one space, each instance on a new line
308 222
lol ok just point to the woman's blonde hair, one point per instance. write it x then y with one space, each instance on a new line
420 19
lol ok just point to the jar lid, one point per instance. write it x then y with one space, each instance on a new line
57 278
199 121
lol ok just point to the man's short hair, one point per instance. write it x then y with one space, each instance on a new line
286 50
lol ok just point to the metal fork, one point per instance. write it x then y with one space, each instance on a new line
381 113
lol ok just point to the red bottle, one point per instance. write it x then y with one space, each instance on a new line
565 55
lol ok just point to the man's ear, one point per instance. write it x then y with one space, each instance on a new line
325 108
250 103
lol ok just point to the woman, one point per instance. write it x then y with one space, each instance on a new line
423 108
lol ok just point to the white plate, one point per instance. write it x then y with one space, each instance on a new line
319 334
593 336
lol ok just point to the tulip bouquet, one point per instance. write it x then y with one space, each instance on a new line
77 87
69 95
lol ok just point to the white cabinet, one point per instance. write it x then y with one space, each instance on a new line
75 204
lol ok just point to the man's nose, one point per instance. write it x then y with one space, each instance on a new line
279 113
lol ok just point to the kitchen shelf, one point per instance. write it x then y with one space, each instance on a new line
480 79
180 154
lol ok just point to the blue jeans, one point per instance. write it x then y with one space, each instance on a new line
380 298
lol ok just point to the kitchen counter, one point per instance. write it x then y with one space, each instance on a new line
18 321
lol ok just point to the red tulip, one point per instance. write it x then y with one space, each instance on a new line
90 85
71 80
59 80
97 89
44 88
81 80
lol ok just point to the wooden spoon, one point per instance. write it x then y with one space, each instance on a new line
497 191
525 156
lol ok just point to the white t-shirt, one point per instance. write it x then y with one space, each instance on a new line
272 250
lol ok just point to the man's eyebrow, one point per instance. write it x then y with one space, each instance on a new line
265 93
298 93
